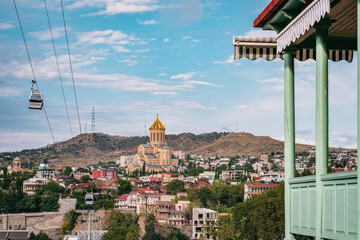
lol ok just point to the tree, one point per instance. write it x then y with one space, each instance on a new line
85 179
40 236
122 227
150 233
175 234
67 171
262 216
69 222
175 186
124 186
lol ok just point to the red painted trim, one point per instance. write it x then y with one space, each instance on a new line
268 12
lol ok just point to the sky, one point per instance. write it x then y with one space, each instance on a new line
134 59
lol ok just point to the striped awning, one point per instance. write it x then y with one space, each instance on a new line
254 48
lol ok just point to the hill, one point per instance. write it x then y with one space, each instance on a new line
91 148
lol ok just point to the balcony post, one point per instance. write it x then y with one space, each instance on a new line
322 140
289 135
358 114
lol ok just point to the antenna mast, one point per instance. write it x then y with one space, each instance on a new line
93 119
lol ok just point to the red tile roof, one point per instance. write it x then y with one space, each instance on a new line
156 179
122 197
262 184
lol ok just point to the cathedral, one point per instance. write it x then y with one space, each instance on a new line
156 155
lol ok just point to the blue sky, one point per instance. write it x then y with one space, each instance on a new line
134 59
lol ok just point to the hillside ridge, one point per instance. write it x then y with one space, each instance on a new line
88 148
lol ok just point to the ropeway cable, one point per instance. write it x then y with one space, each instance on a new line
32 69
71 69
58 68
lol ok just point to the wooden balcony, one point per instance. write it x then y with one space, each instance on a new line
339 212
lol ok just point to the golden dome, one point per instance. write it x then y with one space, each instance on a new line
157 125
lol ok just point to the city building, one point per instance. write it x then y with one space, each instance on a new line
200 218
257 188
124 161
30 185
156 155
209 175
180 155
45 172
232 174
108 174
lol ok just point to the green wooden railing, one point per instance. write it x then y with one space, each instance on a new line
339 213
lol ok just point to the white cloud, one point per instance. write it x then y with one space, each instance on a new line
129 62
196 40
120 6
149 22
260 33
120 49
122 82
45 34
109 37
271 80
9 92
142 50
229 60
162 74
167 40
4 26
186 37
241 106
184 76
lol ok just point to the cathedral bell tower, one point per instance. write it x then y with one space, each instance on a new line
157 132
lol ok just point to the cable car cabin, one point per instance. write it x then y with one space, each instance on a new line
35 100
89 199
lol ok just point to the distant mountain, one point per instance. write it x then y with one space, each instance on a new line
90 148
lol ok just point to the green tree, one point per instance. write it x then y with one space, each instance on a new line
122 227
124 186
150 233
175 234
175 186
262 216
67 171
69 222
40 236
85 179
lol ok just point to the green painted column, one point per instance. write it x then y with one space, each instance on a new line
322 130
358 112
289 135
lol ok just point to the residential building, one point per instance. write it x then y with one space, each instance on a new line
232 174
177 216
124 161
180 154
209 175
200 218
163 210
45 172
109 174
257 188
30 185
